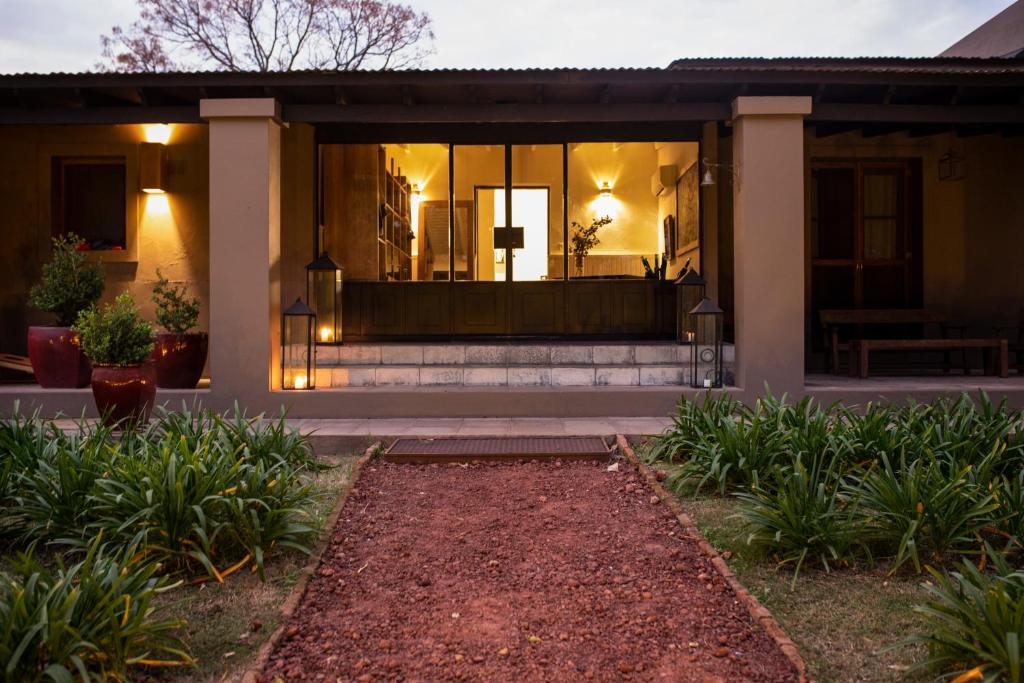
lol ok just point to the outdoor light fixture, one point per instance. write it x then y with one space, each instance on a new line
690 289
323 290
708 178
298 360
151 168
706 345
952 166
606 190
158 133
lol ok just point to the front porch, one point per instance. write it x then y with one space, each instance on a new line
453 223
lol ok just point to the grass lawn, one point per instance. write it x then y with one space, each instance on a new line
840 621
227 623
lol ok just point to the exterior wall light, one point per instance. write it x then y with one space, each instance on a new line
323 290
708 178
158 133
706 347
606 190
690 290
952 166
298 360
151 168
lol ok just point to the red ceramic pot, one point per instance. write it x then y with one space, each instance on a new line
179 359
57 358
124 393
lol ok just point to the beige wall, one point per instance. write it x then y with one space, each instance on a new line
682 155
172 229
972 229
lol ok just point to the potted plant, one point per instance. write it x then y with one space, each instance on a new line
584 238
180 353
68 286
119 341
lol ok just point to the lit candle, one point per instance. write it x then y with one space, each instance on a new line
689 337
300 381
325 334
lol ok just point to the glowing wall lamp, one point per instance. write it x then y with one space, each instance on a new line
606 190
151 158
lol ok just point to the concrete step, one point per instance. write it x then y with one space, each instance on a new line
478 375
507 355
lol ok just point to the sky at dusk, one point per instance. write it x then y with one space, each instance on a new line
63 35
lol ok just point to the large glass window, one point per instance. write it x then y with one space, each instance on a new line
578 210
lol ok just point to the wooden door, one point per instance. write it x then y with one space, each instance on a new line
865 235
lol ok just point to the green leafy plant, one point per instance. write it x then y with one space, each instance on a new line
975 621
115 334
92 621
797 513
176 311
69 284
584 237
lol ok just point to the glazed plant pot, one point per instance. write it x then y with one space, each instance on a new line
179 359
57 358
124 393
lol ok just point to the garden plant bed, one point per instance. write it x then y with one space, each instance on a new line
530 571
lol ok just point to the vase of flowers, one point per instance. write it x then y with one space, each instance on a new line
584 238
69 285
180 351
119 341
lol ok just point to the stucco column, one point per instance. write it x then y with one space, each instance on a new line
768 228
245 248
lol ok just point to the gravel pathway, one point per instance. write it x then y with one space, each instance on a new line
517 572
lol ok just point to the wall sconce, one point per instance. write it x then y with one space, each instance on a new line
151 168
708 178
952 166
159 133
606 190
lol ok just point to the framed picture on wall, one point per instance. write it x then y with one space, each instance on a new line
688 200
669 226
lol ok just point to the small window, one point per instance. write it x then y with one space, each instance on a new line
89 199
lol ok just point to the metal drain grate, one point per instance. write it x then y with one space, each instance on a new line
497 448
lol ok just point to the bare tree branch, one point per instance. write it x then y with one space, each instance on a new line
265 35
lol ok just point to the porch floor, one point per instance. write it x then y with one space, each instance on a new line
905 384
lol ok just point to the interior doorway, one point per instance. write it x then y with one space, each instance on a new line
529 232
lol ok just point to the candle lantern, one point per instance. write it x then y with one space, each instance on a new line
323 291
706 370
690 290
298 359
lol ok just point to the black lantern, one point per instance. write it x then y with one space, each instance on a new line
689 292
706 349
323 290
298 360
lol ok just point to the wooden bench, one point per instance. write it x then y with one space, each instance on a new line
833 319
861 348
12 362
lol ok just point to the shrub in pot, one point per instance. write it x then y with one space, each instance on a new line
69 285
119 342
180 353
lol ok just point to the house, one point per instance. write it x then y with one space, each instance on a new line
450 198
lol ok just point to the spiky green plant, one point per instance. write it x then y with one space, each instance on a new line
91 621
975 622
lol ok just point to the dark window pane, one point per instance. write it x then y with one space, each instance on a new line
89 199
833 213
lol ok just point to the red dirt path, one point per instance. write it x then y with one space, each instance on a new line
517 572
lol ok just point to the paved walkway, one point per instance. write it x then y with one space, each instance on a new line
525 426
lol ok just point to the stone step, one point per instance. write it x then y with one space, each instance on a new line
506 355
478 375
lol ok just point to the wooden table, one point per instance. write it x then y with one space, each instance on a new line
861 348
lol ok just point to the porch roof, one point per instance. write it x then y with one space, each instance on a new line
921 94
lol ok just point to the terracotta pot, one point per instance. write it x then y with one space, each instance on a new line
57 358
179 359
124 393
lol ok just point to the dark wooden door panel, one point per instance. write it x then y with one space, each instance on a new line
479 308
632 307
383 309
588 308
427 309
537 308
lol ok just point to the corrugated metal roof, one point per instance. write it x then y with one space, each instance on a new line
937 65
